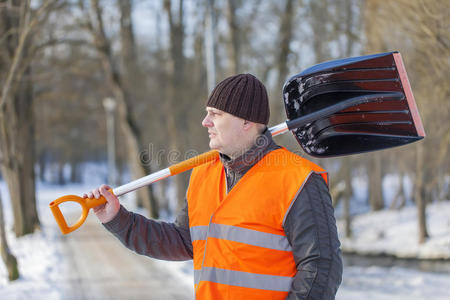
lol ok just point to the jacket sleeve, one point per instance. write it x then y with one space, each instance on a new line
157 239
310 227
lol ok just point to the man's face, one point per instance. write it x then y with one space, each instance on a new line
225 131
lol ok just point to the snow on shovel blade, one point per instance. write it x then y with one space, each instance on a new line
387 115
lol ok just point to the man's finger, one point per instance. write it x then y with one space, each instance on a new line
105 186
96 193
104 191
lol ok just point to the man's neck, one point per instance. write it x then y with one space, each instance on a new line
246 145
237 167
242 150
261 141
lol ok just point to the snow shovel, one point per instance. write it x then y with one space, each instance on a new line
340 107
384 114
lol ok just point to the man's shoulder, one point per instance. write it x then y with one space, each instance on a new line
287 161
290 157
208 166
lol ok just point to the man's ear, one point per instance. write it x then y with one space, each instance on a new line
248 125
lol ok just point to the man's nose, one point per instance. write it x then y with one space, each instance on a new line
207 122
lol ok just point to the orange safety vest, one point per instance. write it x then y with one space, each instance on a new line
240 248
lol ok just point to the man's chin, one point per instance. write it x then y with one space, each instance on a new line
214 146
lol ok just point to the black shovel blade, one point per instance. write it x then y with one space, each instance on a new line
385 114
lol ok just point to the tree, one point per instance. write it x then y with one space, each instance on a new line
234 44
319 19
375 175
9 259
375 43
174 96
419 30
347 194
19 25
286 35
95 26
132 80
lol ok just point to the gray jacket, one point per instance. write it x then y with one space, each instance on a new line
310 227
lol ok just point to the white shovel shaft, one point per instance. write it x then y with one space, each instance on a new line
149 179
279 129
138 183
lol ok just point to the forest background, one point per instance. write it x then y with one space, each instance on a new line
158 60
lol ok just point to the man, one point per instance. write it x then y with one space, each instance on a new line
258 222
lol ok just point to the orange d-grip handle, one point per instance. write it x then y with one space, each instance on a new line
86 205
193 162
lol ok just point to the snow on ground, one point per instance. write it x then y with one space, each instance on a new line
392 284
44 273
43 268
395 232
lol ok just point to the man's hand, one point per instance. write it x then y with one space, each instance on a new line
109 210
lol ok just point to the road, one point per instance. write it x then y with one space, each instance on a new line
105 270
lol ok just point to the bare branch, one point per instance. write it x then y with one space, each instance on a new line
29 26
63 41
8 33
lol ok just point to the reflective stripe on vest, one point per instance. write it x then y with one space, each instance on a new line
241 235
239 244
245 279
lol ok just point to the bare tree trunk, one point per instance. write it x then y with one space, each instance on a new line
336 192
17 120
286 31
375 43
419 194
60 180
22 191
349 24
345 8
174 90
132 78
75 170
400 198
320 17
210 27
348 193
9 259
126 121
375 182
233 45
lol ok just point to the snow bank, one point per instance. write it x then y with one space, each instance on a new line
395 232
392 284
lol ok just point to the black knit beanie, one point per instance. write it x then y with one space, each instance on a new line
243 96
